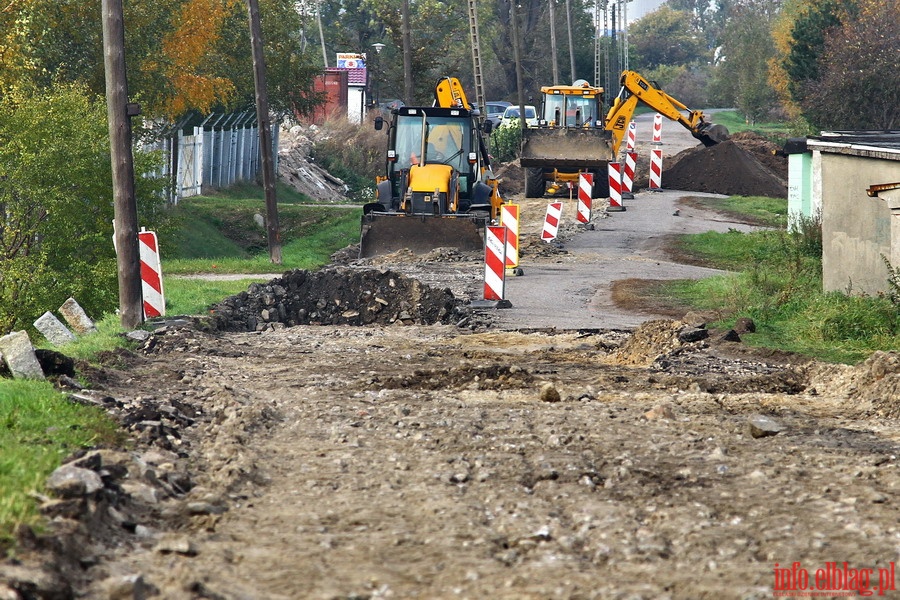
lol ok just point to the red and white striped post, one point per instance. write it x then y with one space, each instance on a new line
615 188
551 221
628 175
655 171
495 262
585 188
509 218
657 128
631 137
151 275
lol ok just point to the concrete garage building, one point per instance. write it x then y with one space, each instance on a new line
856 177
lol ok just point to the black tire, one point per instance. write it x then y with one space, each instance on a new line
601 185
535 186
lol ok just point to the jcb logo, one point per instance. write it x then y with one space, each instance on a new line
620 123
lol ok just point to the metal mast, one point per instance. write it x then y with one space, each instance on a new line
476 54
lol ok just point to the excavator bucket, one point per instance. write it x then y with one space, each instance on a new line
383 233
712 134
587 148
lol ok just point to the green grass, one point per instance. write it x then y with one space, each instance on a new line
758 210
776 131
777 282
195 296
38 429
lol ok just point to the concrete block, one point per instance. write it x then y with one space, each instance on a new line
19 356
76 317
53 329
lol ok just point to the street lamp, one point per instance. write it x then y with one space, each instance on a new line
378 48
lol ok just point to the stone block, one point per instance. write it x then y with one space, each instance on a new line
19 355
54 330
76 317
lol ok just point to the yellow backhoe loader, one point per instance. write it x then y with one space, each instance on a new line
438 188
573 136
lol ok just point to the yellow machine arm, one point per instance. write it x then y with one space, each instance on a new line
637 89
448 93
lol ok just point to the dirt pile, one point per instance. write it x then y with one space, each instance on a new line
337 296
726 168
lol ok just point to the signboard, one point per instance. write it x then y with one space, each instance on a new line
350 60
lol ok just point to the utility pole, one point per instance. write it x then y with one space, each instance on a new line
407 55
265 132
128 258
514 17
553 58
571 41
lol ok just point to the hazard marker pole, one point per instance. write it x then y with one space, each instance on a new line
509 218
585 187
655 171
631 137
151 275
657 128
628 175
495 262
615 188
551 221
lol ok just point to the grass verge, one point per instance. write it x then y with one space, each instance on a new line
777 281
735 122
38 429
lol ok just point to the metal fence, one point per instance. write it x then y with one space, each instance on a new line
216 152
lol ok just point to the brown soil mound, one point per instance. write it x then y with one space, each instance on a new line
725 168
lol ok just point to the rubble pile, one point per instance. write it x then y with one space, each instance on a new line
337 296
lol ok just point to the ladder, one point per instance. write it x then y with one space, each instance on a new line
476 54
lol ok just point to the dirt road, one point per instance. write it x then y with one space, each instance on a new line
551 455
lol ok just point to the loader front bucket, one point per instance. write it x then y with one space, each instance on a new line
712 134
383 233
562 148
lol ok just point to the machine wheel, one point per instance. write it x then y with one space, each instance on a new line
601 185
535 186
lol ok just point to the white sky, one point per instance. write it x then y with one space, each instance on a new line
638 8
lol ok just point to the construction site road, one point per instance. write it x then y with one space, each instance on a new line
570 450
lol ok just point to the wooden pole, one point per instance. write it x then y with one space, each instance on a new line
125 206
407 55
265 132
517 56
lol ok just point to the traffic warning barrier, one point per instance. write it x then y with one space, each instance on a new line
657 128
615 188
655 171
585 187
495 262
509 218
151 275
628 175
551 221
631 137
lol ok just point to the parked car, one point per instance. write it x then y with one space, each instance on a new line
510 116
493 111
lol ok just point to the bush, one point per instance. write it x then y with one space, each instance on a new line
505 143
56 206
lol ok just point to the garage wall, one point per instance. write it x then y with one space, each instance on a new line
856 229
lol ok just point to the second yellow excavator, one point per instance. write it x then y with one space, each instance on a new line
573 136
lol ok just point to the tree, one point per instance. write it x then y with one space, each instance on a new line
55 208
858 75
808 35
666 37
742 72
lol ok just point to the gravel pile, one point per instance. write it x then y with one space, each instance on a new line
337 296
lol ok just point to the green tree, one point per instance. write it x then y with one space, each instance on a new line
858 80
742 72
666 37
810 29
56 206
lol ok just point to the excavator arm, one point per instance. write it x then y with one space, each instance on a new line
637 89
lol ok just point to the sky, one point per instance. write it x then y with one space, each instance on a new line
638 8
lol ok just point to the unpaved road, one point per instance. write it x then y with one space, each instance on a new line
553 455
